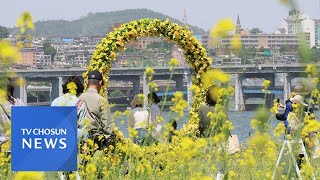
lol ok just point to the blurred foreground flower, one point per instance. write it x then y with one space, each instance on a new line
29 176
236 42
72 87
149 71
222 28
179 103
311 70
174 62
8 54
213 76
266 84
25 21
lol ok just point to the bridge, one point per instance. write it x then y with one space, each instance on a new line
181 75
258 90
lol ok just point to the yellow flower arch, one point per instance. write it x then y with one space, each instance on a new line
195 54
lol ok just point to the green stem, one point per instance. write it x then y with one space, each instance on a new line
167 89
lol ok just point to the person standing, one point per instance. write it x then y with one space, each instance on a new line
139 119
6 102
100 126
72 89
155 112
298 90
206 127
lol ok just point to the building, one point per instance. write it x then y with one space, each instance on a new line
178 54
297 22
317 32
28 56
143 42
204 40
270 41
42 60
80 59
126 60
226 61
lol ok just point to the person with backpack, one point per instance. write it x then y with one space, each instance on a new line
100 125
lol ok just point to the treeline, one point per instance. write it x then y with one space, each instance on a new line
97 23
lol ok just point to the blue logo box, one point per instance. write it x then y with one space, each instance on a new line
44 138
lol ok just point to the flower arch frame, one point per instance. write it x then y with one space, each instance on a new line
196 56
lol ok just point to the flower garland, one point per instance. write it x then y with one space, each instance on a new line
195 54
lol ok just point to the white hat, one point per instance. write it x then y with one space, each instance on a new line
298 99
136 101
299 90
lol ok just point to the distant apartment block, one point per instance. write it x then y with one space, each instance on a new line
28 56
43 60
271 41
226 61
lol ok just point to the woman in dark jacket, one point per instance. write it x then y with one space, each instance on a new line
206 127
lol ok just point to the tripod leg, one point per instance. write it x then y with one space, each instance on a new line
279 159
294 160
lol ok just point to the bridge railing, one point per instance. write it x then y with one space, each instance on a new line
260 87
39 103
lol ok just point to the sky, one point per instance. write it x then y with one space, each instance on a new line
264 14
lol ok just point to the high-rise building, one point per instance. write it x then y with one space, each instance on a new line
317 32
297 22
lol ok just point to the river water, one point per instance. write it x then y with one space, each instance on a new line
240 121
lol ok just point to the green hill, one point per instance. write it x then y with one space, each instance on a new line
98 23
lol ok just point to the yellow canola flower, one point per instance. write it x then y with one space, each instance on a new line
310 127
149 71
211 77
25 20
153 86
7 52
266 84
3 96
174 62
279 130
255 123
307 171
29 176
195 89
222 28
187 143
72 87
201 178
91 168
236 42
179 103
311 70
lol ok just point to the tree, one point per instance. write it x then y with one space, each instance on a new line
315 53
284 48
3 32
255 31
116 93
49 50
247 53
